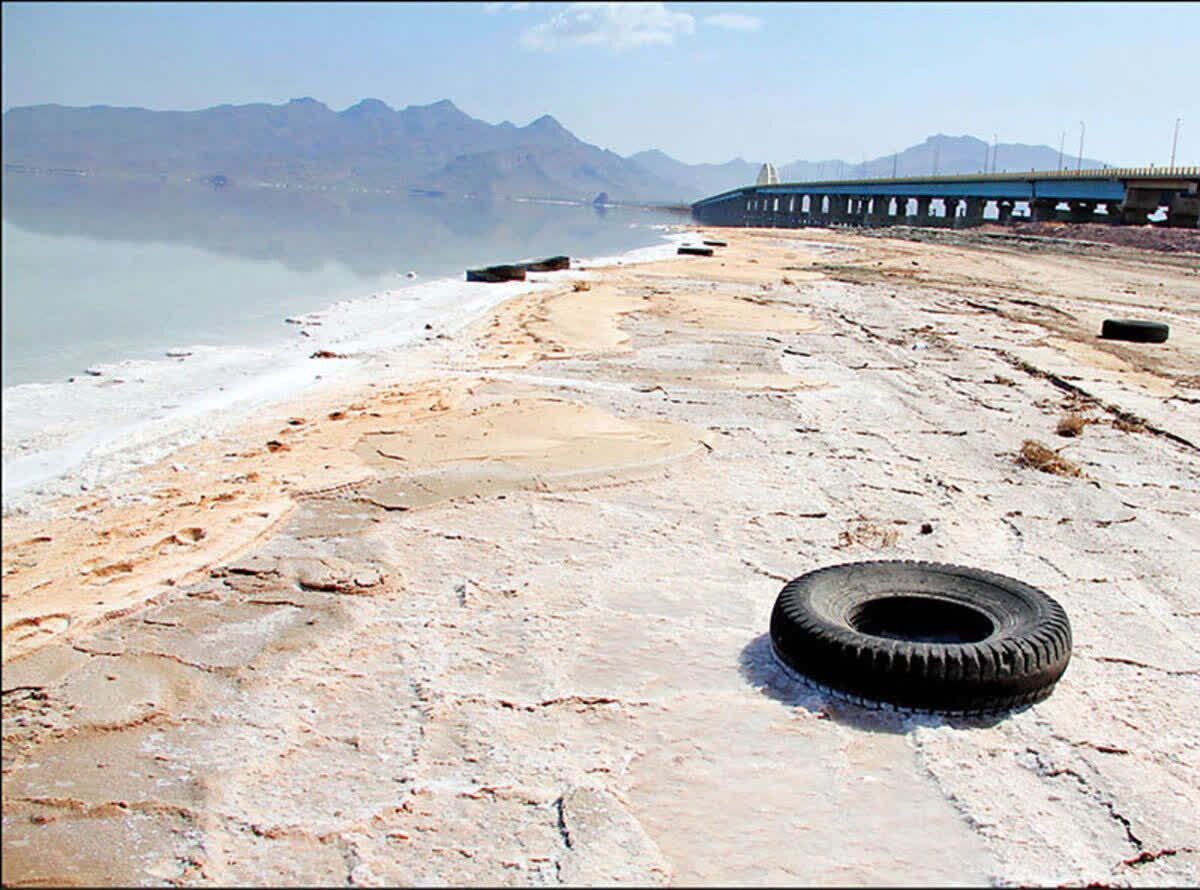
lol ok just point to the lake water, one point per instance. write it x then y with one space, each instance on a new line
102 279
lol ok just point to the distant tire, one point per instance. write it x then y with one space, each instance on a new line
550 264
923 635
496 274
1134 331
695 251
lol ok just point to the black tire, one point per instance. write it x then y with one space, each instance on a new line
923 635
1134 331
715 243
550 264
497 274
695 251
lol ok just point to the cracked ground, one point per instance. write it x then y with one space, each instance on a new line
506 624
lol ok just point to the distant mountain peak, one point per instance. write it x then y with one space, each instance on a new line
442 105
548 123
307 100
959 140
369 106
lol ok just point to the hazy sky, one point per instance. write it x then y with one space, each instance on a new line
701 81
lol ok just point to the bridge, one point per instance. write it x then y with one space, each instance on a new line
1114 195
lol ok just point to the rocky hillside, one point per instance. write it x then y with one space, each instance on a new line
434 147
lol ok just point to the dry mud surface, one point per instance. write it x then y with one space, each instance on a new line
506 623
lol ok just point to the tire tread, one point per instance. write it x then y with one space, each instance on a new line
1006 670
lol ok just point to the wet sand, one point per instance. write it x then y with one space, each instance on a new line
503 621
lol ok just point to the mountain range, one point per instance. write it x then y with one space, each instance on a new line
430 148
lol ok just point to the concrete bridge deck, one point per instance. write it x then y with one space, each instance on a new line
1119 195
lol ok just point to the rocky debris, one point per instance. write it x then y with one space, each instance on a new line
1089 239
1163 240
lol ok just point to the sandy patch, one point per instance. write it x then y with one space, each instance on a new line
573 323
1112 366
521 443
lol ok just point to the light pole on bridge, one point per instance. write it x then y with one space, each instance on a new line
1175 141
1082 129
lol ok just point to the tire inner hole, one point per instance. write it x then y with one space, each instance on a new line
921 619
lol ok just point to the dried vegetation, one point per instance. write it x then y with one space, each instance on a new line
1071 425
1037 456
870 535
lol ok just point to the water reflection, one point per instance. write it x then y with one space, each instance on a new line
97 270
369 233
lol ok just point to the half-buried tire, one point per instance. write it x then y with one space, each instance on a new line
923 635
1134 331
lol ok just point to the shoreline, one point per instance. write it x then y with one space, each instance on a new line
500 616
40 467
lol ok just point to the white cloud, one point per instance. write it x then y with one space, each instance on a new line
615 25
496 8
733 21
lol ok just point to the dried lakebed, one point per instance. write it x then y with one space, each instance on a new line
506 623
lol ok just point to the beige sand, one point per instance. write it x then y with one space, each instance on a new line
505 623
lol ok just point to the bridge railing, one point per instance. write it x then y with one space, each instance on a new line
1126 173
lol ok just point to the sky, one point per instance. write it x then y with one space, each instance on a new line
704 82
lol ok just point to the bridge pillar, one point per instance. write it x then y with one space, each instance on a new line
839 208
974 215
1082 211
951 208
923 211
1138 204
879 210
901 215
1004 211
1042 209
816 209
793 212
1184 211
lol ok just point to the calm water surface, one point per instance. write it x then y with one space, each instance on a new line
100 271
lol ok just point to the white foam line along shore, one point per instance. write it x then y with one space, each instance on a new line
63 437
